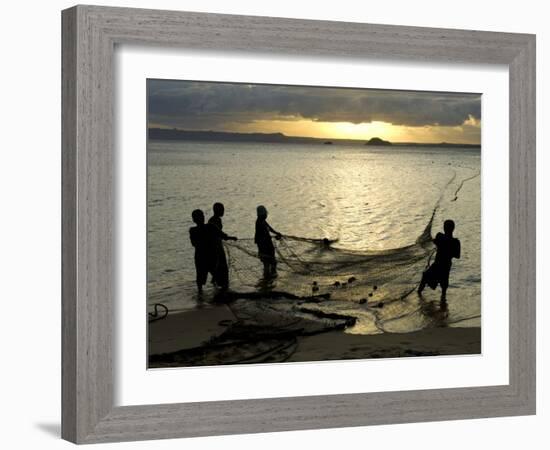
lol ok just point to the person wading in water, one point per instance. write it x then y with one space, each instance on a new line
448 247
220 269
262 238
201 236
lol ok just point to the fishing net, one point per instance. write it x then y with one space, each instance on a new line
318 267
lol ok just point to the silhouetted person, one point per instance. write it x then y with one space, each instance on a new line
201 238
448 248
220 274
262 238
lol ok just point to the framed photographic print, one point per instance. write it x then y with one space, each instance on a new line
304 218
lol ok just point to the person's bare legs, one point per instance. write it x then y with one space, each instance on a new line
422 285
444 286
267 269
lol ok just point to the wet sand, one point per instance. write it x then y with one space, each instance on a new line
190 338
428 342
188 329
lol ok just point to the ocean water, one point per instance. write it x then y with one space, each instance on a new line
370 200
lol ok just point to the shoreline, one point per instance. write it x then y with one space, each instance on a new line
188 339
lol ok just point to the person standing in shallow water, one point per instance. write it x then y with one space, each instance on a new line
262 238
448 247
201 239
220 275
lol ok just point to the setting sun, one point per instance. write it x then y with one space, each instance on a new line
468 132
325 130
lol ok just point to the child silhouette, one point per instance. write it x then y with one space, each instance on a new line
448 247
262 238
201 239
220 268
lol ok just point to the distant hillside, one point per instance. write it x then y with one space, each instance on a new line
187 135
174 134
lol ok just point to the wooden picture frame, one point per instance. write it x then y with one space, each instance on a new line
90 34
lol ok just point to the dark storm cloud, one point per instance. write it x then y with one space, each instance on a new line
210 105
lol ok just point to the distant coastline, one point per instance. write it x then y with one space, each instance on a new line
174 134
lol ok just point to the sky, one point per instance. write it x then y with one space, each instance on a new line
321 112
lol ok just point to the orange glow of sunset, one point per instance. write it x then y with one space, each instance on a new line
361 131
328 130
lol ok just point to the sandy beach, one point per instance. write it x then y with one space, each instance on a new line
196 338
428 342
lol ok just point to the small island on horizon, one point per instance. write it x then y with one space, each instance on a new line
377 141
176 134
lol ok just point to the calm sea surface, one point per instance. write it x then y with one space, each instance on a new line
368 198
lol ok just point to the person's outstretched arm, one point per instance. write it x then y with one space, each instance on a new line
218 231
270 228
225 236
